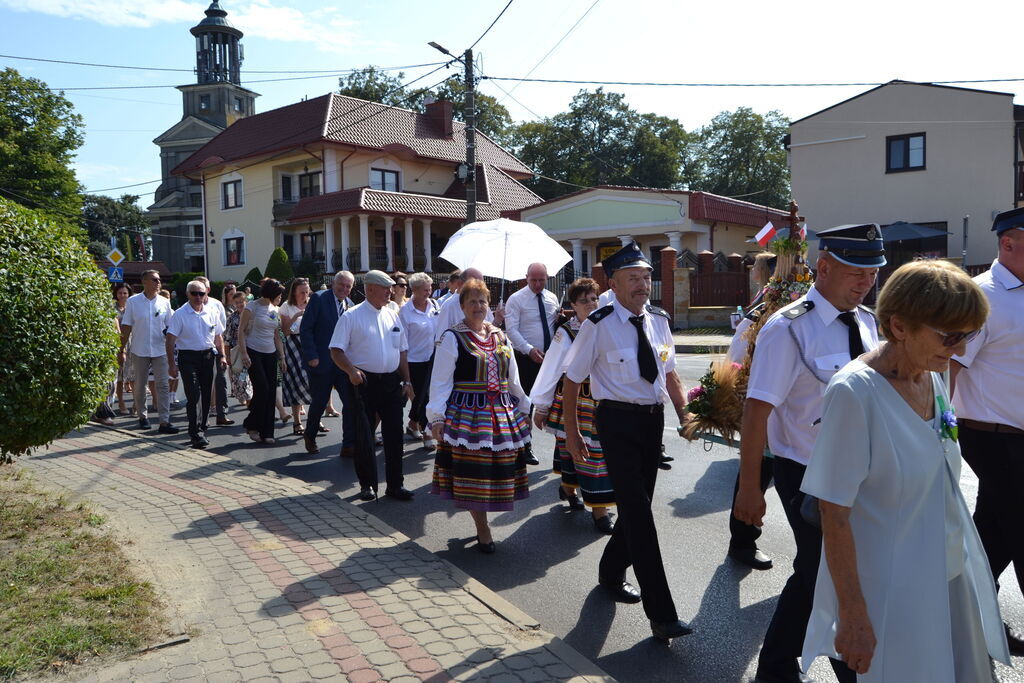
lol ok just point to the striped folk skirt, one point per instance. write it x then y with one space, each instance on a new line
591 478
294 381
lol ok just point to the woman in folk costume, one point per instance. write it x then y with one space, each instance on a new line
591 477
479 416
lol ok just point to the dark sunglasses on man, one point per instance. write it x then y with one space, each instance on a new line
193 292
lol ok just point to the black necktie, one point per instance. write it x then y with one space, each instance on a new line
644 352
856 345
544 320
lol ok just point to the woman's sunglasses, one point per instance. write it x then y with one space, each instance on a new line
954 338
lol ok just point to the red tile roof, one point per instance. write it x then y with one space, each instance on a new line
349 121
498 192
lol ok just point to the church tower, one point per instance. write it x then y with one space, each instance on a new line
211 104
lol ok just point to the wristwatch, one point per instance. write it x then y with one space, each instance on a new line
403 383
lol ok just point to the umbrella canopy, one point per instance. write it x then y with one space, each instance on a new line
504 248
902 230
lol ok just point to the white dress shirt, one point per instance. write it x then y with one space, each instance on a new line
522 319
793 363
373 339
195 330
218 307
148 319
552 368
451 315
606 352
442 380
991 385
605 298
419 328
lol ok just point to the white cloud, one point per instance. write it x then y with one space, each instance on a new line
324 28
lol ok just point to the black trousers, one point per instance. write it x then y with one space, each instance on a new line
195 368
419 373
321 383
382 396
998 460
742 535
785 637
263 375
220 385
631 442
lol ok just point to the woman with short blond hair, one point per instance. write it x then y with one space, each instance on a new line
905 594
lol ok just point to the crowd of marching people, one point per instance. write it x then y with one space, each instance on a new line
860 417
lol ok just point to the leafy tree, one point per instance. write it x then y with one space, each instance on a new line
253 277
39 133
278 267
63 306
601 141
740 153
370 83
104 217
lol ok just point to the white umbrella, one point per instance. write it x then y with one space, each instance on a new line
503 248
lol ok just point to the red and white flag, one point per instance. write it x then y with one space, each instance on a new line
766 234
803 231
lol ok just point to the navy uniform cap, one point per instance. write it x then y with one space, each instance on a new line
855 245
629 256
1008 220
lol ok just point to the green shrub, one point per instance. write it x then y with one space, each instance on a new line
306 267
253 277
179 283
278 266
57 333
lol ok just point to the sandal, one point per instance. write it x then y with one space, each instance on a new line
332 413
322 429
297 430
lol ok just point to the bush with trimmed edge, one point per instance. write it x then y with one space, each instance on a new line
278 267
253 277
58 336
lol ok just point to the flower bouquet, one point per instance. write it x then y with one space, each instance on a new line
716 404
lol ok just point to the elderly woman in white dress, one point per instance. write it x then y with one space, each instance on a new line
905 594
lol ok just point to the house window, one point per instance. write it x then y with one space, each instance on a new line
238 104
234 251
309 184
382 179
286 189
904 153
204 102
195 200
231 194
310 245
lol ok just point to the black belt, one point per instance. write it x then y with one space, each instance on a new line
989 426
189 351
632 407
379 375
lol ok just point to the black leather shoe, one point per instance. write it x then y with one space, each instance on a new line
531 459
144 423
311 446
573 499
752 557
401 493
167 428
485 548
622 591
664 466
604 524
768 677
367 494
670 629
199 442
1014 640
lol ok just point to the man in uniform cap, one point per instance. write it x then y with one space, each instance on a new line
798 350
371 347
627 350
989 404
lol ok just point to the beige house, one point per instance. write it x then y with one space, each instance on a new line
916 152
345 183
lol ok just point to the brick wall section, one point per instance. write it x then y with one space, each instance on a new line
597 272
681 306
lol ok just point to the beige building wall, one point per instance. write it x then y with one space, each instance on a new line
838 162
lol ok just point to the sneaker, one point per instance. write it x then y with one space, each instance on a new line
168 428
144 423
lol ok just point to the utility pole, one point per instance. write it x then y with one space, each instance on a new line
470 115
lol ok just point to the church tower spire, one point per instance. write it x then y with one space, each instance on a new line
219 53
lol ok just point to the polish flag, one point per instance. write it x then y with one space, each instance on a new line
803 231
766 234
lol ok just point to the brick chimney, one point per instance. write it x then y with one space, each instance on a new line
440 115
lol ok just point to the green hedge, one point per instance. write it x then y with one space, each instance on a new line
278 266
57 332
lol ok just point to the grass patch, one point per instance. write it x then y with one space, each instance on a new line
67 591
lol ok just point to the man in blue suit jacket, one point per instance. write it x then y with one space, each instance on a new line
315 333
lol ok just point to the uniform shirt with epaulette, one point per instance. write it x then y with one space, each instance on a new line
798 350
605 350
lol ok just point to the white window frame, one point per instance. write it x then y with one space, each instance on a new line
231 178
232 234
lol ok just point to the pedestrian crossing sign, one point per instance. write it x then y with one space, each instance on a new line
115 256
115 274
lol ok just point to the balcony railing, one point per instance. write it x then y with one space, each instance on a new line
282 210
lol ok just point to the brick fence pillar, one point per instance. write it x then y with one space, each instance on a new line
668 264
597 272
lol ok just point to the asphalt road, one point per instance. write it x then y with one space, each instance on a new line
546 563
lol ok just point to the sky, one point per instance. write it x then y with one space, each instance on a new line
608 40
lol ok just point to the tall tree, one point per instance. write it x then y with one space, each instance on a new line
601 141
370 83
39 133
741 153
104 217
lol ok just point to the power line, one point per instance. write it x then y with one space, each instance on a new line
334 74
744 85
121 187
555 46
487 30
247 71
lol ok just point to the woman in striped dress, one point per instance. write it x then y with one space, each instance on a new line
294 380
591 477
479 416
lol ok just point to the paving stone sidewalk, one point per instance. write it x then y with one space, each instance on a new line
272 579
